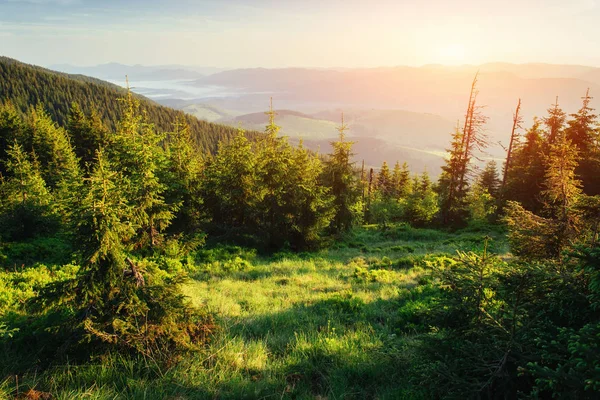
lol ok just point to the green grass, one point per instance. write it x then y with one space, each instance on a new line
341 323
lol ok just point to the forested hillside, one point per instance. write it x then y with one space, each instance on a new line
27 85
133 266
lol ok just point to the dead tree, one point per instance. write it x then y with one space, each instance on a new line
517 120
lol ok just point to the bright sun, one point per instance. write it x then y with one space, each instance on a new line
452 54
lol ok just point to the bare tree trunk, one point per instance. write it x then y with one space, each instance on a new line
468 117
362 183
516 124
370 189
468 137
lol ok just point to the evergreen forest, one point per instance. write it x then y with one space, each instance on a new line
145 254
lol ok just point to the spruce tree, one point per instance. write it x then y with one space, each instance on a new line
273 164
385 185
547 236
26 205
452 197
489 180
53 149
340 178
582 130
455 175
562 190
309 204
87 134
12 128
401 180
422 205
229 186
183 178
555 124
113 299
137 151
526 175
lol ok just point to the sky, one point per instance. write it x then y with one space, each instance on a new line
303 33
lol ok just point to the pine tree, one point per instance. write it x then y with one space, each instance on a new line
273 164
26 205
53 150
453 184
454 179
114 300
12 128
422 205
401 181
308 204
481 203
582 131
489 180
535 236
87 134
526 175
137 152
229 185
183 178
340 178
562 190
452 200
385 185
555 124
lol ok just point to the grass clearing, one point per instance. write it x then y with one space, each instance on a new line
340 323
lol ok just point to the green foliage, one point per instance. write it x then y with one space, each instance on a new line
138 154
489 180
53 150
583 132
228 184
340 177
401 181
114 300
271 191
12 129
526 174
88 134
53 250
481 203
183 179
26 205
385 312
422 204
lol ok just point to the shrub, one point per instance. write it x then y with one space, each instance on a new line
50 250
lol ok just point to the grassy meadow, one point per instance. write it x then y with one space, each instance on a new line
340 323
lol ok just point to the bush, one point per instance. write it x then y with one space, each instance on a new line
403 249
49 250
223 253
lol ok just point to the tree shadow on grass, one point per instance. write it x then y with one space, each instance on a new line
338 348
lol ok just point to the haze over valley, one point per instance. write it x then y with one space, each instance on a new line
408 112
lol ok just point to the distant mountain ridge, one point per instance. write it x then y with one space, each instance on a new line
438 90
117 71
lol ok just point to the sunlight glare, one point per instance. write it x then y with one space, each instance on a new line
452 54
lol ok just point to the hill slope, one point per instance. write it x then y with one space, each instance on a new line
24 84
293 124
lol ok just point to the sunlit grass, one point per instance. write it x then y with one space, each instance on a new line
337 323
